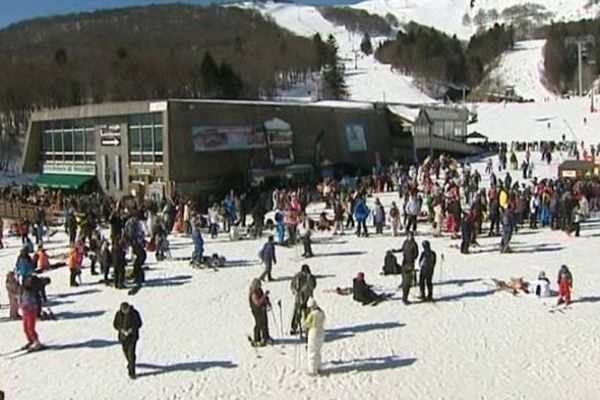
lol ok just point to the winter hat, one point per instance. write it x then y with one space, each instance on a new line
542 275
312 303
360 276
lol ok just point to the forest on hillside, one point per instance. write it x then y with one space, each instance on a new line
144 53
433 56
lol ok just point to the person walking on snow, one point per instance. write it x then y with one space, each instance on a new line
267 256
410 252
128 322
314 324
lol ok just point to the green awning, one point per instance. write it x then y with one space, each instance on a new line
60 181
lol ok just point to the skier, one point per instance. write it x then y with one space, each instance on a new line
303 284
565 284
410 252
466 228
259 305
128 322
1 232
426 265
197 256
29 310
12 290
314 324
267 256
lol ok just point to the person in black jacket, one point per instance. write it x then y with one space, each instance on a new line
410 251
128 323
303 284
259 305
426 264
362 292
118 262
105 260
390 264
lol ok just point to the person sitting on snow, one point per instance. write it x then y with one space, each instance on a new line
390 264
541 286
362 292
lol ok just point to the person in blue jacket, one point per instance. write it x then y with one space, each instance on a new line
280 227
24 264
361 213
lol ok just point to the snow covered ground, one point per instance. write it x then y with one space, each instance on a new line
538 121
523 68
472 343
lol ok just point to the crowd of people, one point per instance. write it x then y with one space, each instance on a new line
447 196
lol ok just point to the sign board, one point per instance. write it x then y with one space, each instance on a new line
569 174
69 169
142 171
156 191
110 135
219 138
157 106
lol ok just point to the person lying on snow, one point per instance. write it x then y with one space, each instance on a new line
514 285
362 292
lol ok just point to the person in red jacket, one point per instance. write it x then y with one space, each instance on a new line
565 284
29 310
43 262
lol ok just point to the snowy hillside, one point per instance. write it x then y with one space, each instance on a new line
370 81
447 15
523 68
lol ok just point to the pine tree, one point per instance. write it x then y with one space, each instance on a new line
230 83
209 73
365 46
334 86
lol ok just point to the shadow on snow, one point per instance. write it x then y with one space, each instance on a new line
193 366
350 331
368 364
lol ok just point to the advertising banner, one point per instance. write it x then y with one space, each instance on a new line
219 138
355 137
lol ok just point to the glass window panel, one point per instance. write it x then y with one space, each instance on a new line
58 141
135 120
147 140
158 139
147 158
158 158
68 141
135 158
157 118
90 158
79 157
47 143
135 143
147 119
90 144
78 140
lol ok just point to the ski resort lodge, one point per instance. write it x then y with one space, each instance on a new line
193 146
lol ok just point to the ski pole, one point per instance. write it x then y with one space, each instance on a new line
280 317
442 271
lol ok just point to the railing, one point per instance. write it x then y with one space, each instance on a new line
17 211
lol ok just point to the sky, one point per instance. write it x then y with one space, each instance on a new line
12 11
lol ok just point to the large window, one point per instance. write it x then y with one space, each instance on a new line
70 141
145 139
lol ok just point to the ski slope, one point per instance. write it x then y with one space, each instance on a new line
447 15
523 68
366 78
473 343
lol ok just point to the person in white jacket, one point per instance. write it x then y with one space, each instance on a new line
314 325
541 286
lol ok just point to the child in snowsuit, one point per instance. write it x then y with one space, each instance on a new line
74 261
12 289
314 324
29 309
565 284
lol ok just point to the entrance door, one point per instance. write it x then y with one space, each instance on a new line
111 174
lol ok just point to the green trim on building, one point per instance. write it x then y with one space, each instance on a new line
60 181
